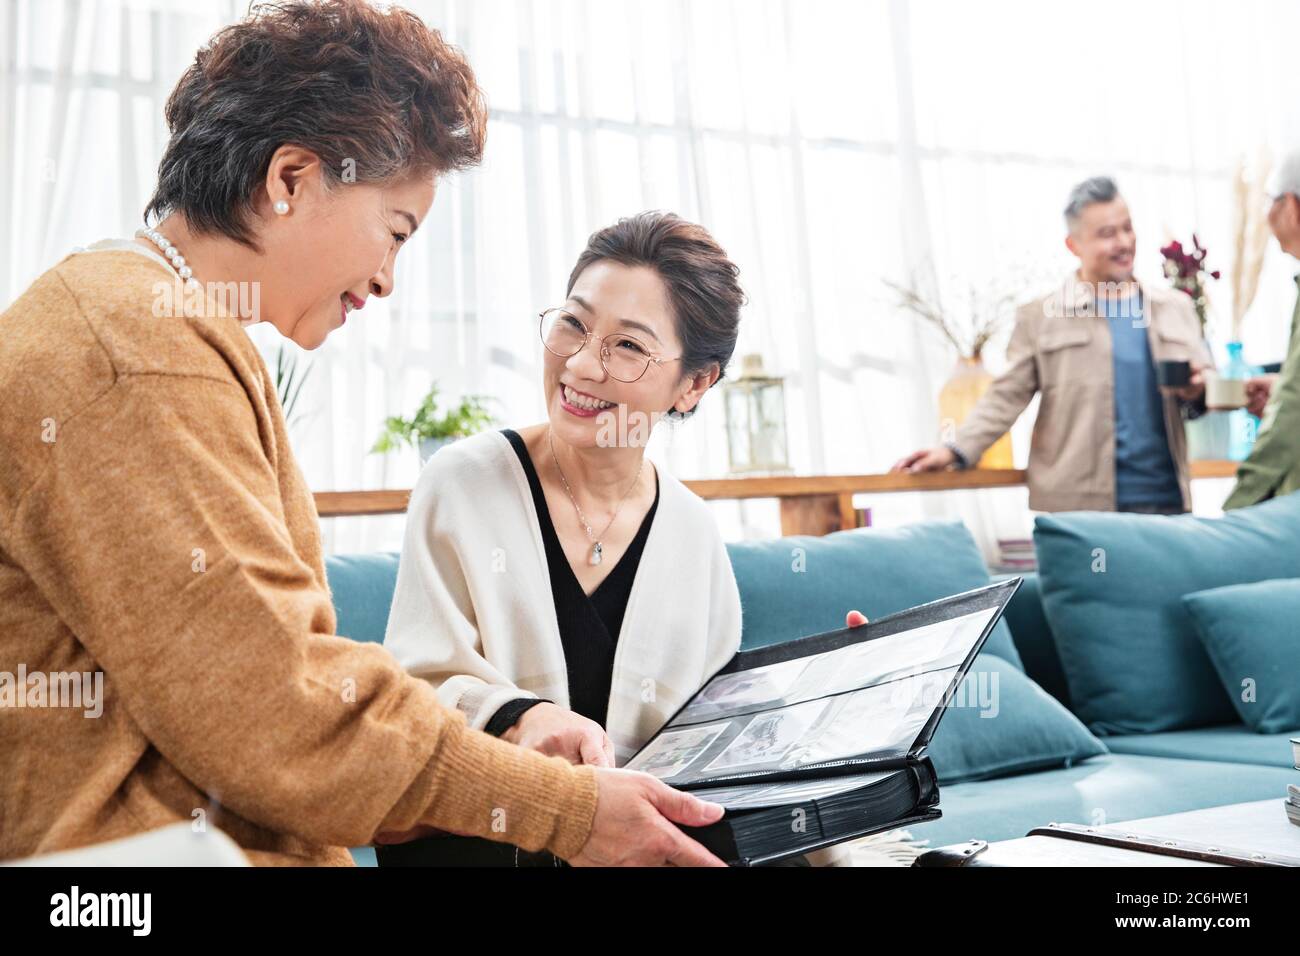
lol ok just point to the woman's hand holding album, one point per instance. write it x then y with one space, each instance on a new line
556 732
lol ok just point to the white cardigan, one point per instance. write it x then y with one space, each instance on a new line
473 613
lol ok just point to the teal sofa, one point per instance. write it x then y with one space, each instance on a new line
1108 779
1143 775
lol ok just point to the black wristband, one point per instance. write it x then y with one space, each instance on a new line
509 713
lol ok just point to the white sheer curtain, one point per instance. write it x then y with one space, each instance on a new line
827 144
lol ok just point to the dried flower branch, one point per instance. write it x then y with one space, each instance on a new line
989 312
1251 234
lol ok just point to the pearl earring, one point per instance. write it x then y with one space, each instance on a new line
281 207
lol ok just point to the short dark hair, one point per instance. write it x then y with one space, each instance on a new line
703 284
342 78
1096 189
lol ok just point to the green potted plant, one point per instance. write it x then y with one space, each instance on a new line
428 430
289 383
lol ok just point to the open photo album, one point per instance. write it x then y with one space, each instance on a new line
823 738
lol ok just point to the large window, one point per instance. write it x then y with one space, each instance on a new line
828 145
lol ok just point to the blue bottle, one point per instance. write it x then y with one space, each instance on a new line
1242 424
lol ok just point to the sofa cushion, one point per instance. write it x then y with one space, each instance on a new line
1000 722
361 586
1111 788
1032 636
800 585
1249 632
1231 743
1112 590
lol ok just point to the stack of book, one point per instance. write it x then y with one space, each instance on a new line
1016 555
1292 791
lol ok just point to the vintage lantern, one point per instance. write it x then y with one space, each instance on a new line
755 411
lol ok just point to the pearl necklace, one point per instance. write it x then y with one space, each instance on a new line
597 551
180 267
171 252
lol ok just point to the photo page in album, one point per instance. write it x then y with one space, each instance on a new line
822 706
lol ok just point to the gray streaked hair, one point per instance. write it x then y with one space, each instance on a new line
374 93
1096 189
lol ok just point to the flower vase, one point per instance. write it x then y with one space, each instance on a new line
960 393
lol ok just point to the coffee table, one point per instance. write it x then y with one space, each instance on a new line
1241 834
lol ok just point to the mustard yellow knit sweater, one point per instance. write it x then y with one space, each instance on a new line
155 529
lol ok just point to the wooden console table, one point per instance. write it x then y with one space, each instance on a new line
810 504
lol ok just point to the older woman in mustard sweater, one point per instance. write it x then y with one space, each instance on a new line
155 528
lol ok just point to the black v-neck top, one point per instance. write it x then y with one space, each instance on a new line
589 629
589 625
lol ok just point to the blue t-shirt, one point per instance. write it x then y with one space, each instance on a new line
1144 469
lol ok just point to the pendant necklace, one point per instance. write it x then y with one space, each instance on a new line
597 552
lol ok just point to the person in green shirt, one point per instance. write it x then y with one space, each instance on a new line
1273 467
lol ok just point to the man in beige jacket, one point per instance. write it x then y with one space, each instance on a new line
1107 437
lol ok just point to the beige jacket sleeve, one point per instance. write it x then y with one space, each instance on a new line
999 407
157 532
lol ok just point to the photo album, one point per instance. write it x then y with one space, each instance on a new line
823 739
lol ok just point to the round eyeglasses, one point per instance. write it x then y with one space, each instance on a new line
624 357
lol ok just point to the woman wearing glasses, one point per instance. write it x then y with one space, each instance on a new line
555 587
